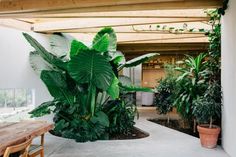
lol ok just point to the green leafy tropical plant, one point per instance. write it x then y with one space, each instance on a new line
207 108
121 115
82 81
165 91
190 84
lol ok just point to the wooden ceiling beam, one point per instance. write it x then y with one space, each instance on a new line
167 50
150 28
139 37
173 40
12 23
72 6
59 26
191 13
162 53
162 47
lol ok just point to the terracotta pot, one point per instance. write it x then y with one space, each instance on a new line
208 136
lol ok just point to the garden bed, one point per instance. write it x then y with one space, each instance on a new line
135 133
176 125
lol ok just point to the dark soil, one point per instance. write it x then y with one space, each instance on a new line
135 133
176 125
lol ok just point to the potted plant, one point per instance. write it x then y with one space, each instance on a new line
206 110
190 84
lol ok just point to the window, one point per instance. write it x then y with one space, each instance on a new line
14 101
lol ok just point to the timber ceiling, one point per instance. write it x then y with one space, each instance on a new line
141 25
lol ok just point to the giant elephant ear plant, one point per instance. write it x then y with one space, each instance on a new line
82 81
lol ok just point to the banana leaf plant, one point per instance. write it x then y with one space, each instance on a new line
81 79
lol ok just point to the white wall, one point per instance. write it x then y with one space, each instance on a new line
229 79
15 70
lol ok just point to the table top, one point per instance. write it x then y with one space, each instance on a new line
12 133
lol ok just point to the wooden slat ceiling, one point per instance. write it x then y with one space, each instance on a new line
59 6
134 21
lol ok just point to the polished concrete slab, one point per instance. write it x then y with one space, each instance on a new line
162 142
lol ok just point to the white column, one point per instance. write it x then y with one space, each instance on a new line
229 79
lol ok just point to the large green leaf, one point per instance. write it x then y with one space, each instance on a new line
118 60
60 44
57 86
91 67
126 85
102 45
76 47
111 37
138 60
62 124
101 118
43 109
38 63
50 58
135 89
113 90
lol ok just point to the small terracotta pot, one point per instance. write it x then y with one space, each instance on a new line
208 136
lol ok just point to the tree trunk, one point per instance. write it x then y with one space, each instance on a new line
194 125
211 121
168 119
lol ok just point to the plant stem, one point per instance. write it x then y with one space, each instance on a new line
194 125
168 119
211 121
106 100
102 98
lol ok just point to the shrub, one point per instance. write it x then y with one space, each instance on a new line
121 116
190 84
206 108
165 94
165 90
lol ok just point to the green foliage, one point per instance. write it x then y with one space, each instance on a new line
114 89
221 11
60 44
207 108
38 63
90 66
76 47
165 91
82 82
48 57
121 116
81 129
190 84
107 34
198 93
139 60
43 109
165 95
127 86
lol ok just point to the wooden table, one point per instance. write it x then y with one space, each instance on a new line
12 133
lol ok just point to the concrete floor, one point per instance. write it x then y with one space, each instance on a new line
162 142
